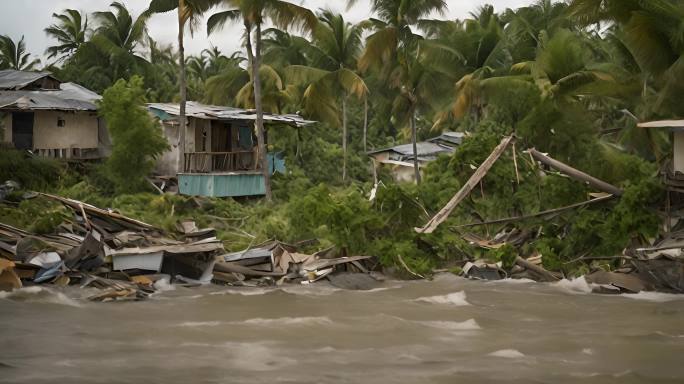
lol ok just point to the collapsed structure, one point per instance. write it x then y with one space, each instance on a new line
128 259
51 118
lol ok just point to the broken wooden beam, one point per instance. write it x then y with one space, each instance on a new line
538 214
543 273
474 180
575 173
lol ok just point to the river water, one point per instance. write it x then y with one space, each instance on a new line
443 331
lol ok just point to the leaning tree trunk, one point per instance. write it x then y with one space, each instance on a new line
416 169
183 91
365 124
344 137
255 60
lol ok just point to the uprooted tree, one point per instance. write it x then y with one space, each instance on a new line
137 140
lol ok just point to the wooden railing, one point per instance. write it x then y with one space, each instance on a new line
200 162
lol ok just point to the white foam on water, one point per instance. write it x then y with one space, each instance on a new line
199 324
468 325
320 320
513 281
163 285
588 351
243 292
39 295
574 286
380 289
657 297
456 298
507 354
304 290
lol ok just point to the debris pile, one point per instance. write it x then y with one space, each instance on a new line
656 268
127 259
277 263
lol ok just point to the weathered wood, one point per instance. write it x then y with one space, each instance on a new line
538 214
546 275
575 173
467 187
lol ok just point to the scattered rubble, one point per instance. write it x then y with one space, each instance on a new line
125 259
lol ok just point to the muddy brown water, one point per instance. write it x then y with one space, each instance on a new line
449 330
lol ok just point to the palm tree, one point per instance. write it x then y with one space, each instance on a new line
189 14
231 80
283 15
118 36
393 49
14 56
334 53
651 32
70 32
162 71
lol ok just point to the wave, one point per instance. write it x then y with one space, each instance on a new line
657 297
39 295
320 320
243 292
456 298
196 324
574 286
468 325
507 354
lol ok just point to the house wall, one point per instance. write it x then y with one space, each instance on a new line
167 164
6 126
679 151
80 130
403 174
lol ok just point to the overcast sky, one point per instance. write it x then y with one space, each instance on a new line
30 17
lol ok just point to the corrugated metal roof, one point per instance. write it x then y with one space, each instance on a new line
217 112
77 92
12 79
71 97
455 138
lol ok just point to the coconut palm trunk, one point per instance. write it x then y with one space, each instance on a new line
365 124
416 169
255 62
183 89
344 137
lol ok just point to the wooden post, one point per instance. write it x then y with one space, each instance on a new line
474 180
576 174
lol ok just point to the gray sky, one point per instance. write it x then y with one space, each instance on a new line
30 17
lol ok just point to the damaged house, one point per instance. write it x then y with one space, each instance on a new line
399 159
51 118
221 156
673 172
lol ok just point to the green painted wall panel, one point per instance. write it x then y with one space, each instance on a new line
221 185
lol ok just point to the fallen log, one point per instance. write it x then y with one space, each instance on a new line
575 173
543 273
538 214
474 180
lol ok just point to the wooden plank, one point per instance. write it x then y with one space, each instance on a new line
576 174
474 180
538 214
543 273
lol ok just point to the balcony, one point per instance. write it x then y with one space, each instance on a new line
219 162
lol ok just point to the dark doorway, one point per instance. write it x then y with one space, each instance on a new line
22 130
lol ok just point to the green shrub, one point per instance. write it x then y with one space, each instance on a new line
31 172
137 140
